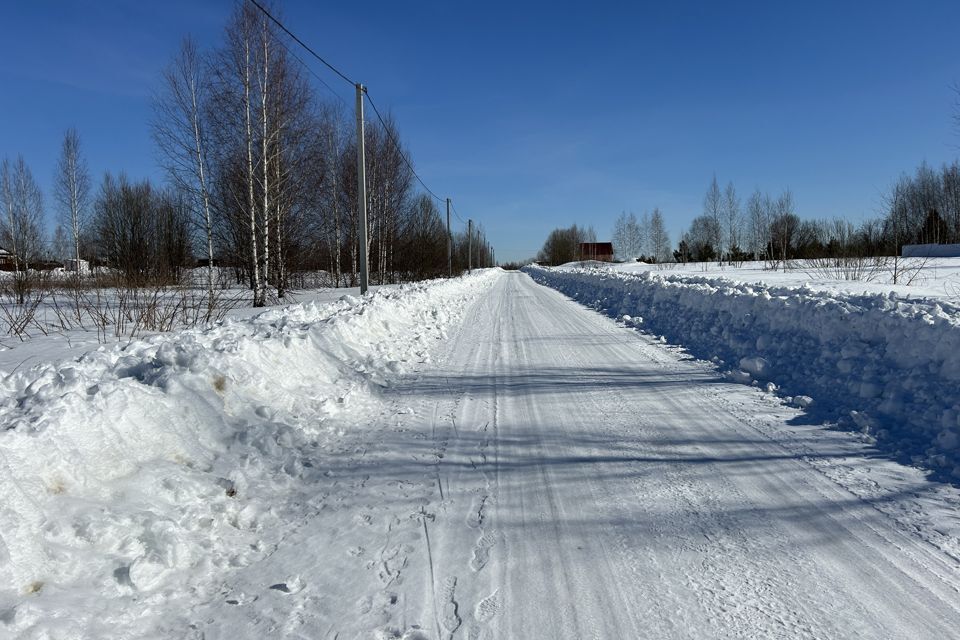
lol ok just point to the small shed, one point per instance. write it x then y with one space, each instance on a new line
78 266
600 251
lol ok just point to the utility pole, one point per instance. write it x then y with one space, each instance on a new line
470 245
449 244
361 191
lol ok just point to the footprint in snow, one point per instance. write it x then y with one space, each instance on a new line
294 584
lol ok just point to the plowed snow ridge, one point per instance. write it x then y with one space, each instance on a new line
886 366
120 472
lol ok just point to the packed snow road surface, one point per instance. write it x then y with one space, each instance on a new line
558 476
547 473
602 487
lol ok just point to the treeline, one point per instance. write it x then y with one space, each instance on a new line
766 228
563 245
644 239
923 208
262 184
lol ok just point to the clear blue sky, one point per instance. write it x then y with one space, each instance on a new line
536 115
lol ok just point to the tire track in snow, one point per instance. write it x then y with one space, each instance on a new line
724 543
479 520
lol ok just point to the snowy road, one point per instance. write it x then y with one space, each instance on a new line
554 475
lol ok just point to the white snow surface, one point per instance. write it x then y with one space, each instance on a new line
886 365
919 278
132 471
472 459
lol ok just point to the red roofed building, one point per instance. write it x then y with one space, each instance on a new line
602 251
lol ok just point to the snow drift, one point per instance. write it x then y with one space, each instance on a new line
885 365
132 470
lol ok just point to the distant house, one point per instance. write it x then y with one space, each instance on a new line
7 262
601 251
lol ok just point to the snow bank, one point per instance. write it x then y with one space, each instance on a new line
882 364
131 471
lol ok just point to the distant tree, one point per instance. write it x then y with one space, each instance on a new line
622 246
627 237
841 240
682 253
141 231
71 190
659 239
643 236
61 247
563 245
784 226
21 225
869 237
703 233
914 207
950 200
811 239
423 249
180 130
758 220
713 208
934 230
732 221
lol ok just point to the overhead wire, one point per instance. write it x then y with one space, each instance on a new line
332 91
399 149
301 42
342 75
456 213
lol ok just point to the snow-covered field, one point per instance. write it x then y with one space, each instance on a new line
881 360
484 458
932 278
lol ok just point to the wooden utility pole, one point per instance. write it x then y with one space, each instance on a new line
470 245
449 244
361 191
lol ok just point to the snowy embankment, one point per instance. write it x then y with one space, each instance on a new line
877 363
131 472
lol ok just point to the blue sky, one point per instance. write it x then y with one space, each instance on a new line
537 115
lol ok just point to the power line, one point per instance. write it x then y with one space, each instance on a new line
313 73
399 149
456 213
301 42
383 123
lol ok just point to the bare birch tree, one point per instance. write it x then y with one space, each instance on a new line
759 224
783 227
21 225
713 209
233 111
71 190
180 132
659 239
628 237
731 213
